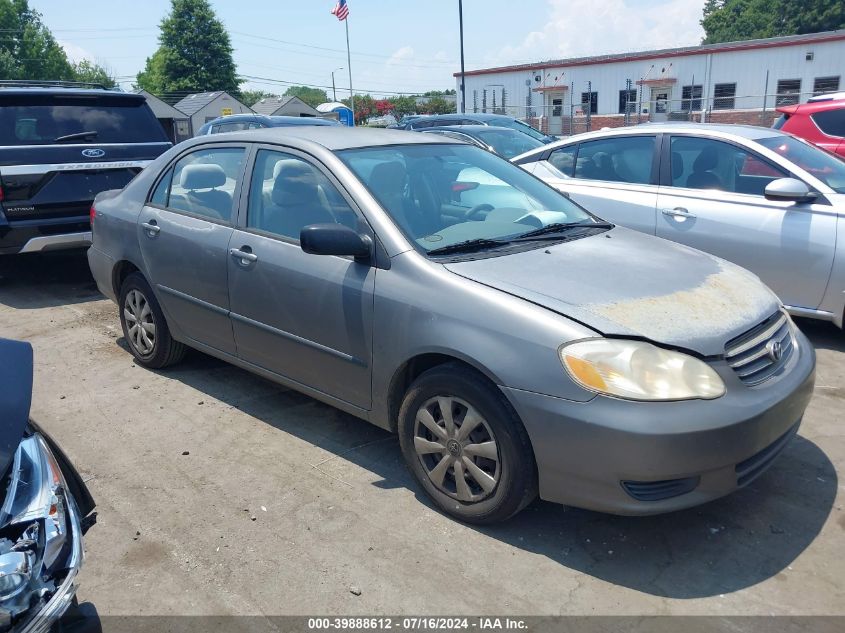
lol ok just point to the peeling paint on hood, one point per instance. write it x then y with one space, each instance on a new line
624 283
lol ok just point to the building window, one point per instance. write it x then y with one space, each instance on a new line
691 98
627 101
723 96
590 102
825 84
789 92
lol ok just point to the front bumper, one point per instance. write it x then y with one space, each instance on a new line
588 454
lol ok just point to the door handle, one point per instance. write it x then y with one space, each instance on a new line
152 228
245 258
678 213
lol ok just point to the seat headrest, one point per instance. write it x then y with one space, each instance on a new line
296 184
707 159
280 165
389 178
202 177
677 164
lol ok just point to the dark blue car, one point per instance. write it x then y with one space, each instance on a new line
238 122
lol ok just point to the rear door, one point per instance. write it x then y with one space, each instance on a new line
58 151
613 177
184 233
714 201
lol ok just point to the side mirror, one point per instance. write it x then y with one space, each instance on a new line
789 190
335 239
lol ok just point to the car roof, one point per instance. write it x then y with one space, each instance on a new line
468 129
478 116
331 137
69 92
813 106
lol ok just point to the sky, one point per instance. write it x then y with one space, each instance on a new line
397 46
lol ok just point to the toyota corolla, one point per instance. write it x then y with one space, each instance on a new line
518 344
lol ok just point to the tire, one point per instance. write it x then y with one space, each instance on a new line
153 349
498 480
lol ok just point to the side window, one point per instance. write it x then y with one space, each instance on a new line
162 189
621 159
204 182
563 159
701 163
288 193
831 122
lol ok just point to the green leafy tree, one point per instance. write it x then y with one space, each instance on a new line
194 55
93 73
27 48
311 96
403 106
251 97
438 105
733 20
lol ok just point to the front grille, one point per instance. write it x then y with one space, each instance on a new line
749 469
659 490
754 355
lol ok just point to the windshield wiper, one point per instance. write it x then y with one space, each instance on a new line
468 246
75 136
561 227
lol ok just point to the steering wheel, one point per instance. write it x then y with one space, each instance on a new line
479 208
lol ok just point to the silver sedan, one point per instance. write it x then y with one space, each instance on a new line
760 198
516 343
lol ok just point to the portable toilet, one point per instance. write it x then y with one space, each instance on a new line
344 113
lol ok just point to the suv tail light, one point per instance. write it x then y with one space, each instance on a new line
92 215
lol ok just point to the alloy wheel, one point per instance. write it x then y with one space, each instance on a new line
457 449
140 324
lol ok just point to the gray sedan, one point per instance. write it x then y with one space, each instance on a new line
516 343
760 198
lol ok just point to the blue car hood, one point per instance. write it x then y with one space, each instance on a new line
15 397
624 283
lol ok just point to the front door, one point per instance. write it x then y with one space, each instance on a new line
307 318
555 100
184 233
660 105
716 204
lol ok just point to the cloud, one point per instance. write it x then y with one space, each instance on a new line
404 54
76 53
577 29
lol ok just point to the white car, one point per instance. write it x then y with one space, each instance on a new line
760 198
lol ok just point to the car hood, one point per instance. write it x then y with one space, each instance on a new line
15 396
624 283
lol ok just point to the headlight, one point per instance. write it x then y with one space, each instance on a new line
634 370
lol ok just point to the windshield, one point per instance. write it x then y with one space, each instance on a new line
827 167
77 120
442 194
508 143
522 127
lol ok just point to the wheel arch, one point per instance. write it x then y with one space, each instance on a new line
120 272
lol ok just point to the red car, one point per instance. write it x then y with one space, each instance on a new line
820 122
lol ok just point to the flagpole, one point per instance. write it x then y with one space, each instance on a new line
349 66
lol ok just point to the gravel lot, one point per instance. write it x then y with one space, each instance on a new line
283 505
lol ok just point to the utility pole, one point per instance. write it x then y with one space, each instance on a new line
334 90
463 74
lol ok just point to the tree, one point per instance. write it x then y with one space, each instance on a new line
365 107
438 105
251 97
93 73
733 20
404 105
311 96
27 48
194 55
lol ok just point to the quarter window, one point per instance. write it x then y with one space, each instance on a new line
288 194
563 159
701 163
831 122
204 182
625 159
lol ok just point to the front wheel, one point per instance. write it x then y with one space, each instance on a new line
466 446
144 326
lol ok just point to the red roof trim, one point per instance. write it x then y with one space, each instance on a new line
646 56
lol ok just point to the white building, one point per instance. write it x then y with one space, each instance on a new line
207 106
731 82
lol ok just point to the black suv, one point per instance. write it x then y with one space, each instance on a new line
61 145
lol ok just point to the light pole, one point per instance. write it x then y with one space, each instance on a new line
463 75
334 90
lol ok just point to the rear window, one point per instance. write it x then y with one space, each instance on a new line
831 122
47 120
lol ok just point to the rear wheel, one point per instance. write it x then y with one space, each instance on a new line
466 446
144 326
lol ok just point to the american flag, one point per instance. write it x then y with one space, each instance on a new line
341 10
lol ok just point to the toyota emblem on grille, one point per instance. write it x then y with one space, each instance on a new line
93 153
775 350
